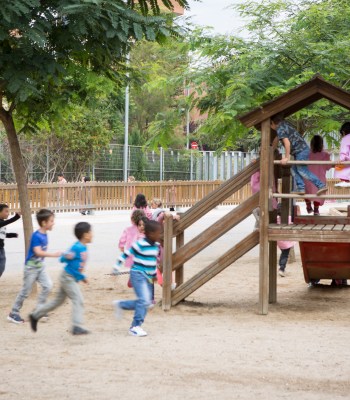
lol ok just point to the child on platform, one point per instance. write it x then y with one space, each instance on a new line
316 154
4 221
34 269
140 203
342 172
296 146
75 259
142 274
285 247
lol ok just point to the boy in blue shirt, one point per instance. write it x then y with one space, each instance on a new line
296 146
34 269
72 273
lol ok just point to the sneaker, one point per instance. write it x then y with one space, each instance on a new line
137 331
45 318
342 184
118 311
322 190
281 273
15 318
77 330
316 211
309 209
33 322
298 191
173 286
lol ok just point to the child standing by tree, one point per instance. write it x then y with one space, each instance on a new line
34 269
142 275
4 214
296 146
75 260
316 154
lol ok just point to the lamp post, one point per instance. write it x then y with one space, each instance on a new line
126 124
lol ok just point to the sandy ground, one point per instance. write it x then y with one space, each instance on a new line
213 346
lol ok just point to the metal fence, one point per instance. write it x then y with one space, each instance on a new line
43 164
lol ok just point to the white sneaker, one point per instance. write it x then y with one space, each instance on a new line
342 184
118 311
173 286
281 273
137 331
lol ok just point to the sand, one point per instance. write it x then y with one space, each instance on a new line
213 346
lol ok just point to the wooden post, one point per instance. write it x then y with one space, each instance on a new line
273 272
179 273
167 261
285 210
264 217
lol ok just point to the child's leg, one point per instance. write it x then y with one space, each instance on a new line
72 290
45 283
142 287
42 309
30 276
2 261
316 208
284 258
308 206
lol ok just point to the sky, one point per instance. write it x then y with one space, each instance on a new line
216 13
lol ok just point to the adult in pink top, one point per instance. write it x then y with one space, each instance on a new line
316 154
342 172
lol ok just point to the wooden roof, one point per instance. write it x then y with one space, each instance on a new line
296 99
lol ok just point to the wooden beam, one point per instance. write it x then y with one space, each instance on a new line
310 235
306 196
167 261
264 216
311 162
215 267
179 273
216 197
273 272
215 231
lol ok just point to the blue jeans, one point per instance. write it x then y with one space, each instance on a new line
301 172
284 258
143 289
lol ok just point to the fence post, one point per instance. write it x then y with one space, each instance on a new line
161 164
215 166
191 167
229 165
167 262
222 166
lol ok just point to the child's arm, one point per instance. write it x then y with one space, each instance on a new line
286 144
39 252
10 220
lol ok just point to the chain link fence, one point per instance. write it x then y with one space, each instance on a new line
43 164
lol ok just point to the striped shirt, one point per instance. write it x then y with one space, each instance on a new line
145 255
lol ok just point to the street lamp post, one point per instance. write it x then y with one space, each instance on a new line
126 124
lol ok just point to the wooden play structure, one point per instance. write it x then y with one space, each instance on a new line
318 232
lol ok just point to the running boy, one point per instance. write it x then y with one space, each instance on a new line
4 214
142 274
34 269
296 146
75 260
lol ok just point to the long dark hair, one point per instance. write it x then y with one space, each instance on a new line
140 201
316 144
345 129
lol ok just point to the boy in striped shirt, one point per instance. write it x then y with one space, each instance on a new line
142 274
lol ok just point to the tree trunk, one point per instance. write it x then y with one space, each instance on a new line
20 174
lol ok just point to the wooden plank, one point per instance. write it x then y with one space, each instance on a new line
287 226
298 227
328 227
323 196
227 259
214 198
307 227
215 231
311 162
273 272
338 227
321 219
276 226
318 227
346 228
167 262
179 273
309 236
264 217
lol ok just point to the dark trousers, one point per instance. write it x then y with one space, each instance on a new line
284 258
2 261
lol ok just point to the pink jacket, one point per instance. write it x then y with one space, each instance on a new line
146 210
319 171
130 235
255 186
344 173
284 244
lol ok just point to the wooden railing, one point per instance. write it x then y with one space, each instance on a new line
120 196
174 261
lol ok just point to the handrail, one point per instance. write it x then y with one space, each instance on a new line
214 198
312 162
310 195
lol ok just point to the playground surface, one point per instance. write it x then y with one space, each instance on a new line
213 346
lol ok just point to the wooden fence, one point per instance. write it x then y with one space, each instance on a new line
120 195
